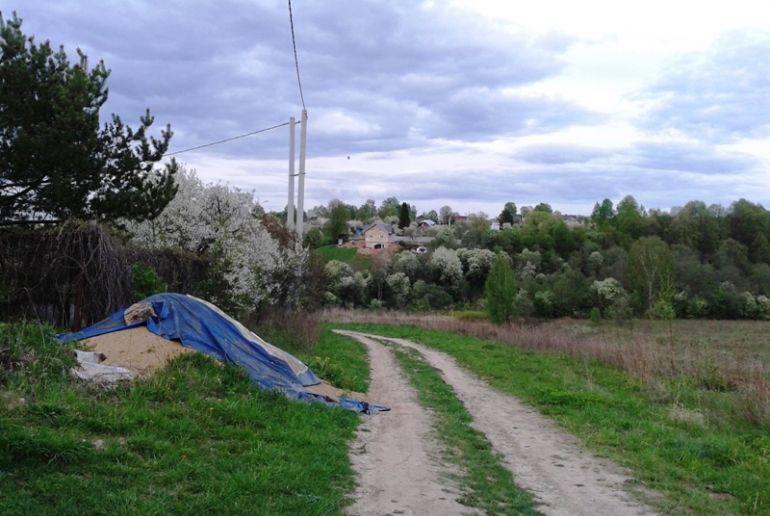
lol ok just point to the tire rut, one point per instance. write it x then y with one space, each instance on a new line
548 462
395 454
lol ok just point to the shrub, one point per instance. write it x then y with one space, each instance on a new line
146 281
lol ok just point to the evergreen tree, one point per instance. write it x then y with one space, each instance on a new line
404 218
501 291
55 160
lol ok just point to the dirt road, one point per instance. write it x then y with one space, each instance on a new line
395 453
543 459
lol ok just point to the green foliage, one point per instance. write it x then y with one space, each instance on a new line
652 267
56 160
500 291
429 297
313 238
146 281
404 218
337 227
693 252
31 358
390 208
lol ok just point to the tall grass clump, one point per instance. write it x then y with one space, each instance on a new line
30 358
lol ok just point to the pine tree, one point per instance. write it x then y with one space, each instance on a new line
55 160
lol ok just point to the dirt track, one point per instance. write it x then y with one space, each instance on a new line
395 454
544 460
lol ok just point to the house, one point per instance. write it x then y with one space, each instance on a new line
377 235
426 223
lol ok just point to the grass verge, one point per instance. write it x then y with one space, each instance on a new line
678 437
488 484
196 438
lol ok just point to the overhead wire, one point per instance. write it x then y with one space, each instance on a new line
296 60
301 96
226 140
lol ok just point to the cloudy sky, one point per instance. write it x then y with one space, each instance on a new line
470 103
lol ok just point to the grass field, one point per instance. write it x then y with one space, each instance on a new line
345 254
197 438
689 442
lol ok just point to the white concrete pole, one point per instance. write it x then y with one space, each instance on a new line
301 186
290 204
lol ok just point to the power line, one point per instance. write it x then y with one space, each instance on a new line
226 140
296 61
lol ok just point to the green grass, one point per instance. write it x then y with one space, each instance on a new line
487 484
345 254
678 438
339 360
196 438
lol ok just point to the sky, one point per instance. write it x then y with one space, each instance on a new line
466 103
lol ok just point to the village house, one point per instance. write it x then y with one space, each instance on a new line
377 235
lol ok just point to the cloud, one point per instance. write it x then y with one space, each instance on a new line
399 72
697 158
720 94
559 153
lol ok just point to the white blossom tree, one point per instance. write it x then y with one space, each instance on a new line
447 266
219 221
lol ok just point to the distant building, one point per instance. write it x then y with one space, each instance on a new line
377 235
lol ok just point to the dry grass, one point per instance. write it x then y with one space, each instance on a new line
719 355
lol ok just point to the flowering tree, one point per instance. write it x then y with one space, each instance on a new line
476 264
219 221
447 266
399 287
406 262
345 286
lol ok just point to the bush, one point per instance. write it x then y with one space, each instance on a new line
501 291
146 281
430 297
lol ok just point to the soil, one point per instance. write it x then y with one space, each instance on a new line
137 349
544 460
396 454
330 391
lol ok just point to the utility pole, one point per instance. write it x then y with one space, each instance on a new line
301 186
290 205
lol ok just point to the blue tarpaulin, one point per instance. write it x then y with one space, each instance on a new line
201 326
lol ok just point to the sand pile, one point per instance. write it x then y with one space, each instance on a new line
143 352
137 349
330 391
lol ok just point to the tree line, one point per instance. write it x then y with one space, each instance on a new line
622 261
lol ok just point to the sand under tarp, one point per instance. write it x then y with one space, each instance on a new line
143 352
137 349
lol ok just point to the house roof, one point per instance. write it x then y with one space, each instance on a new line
388 228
